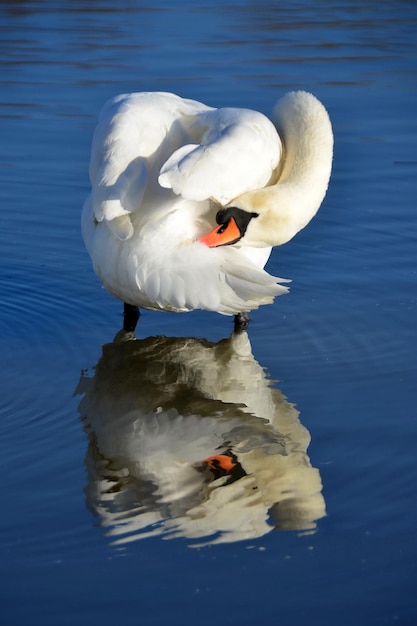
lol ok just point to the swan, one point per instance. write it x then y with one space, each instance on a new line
188 200
189 438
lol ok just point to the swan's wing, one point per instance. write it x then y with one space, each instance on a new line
197 277
133 129
114 202
118 170
238 151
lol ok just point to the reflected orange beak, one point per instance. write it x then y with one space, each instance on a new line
222 235
220 461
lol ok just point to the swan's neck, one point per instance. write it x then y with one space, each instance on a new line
304 126
288 204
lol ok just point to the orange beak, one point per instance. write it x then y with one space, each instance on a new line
220 461
222 235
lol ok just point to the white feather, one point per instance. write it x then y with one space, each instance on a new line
239 152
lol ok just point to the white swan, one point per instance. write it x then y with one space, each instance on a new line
165 170
189 439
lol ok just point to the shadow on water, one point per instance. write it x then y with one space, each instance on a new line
189 438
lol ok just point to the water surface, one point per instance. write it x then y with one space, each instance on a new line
320 397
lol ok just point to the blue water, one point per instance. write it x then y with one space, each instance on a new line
85 540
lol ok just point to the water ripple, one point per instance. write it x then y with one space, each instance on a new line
40 308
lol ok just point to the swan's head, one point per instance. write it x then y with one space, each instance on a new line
232 224
243 224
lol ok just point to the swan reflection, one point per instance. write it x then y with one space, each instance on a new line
188 438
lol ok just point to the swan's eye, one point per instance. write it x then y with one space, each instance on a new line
223 227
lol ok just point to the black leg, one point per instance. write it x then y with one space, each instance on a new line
241 322
130 317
